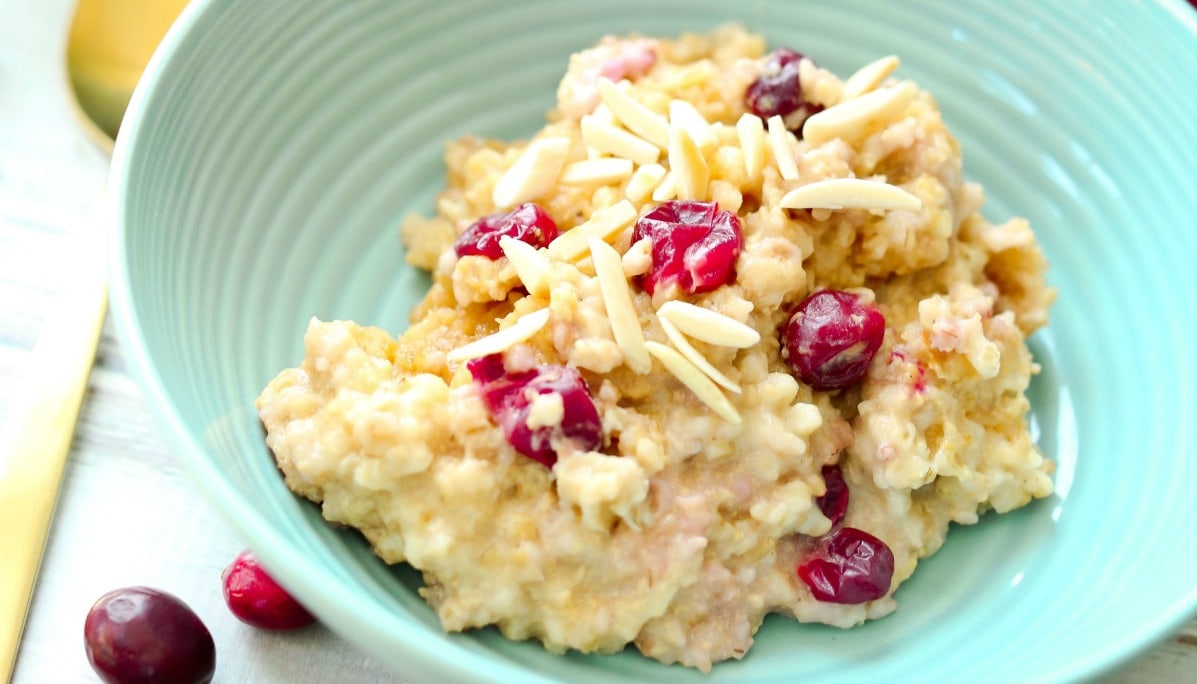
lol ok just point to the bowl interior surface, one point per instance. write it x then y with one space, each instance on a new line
274 147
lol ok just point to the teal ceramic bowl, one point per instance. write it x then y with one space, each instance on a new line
274 146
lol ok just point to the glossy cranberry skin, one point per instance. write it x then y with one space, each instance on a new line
487 369
778 91
831 337
508 398
528 223
140 635
694 245
256 599
848 566
834 502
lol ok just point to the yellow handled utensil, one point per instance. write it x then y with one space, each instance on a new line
109 45
38 440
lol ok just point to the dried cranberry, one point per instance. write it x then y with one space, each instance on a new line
694 245
527 223
508 398
143 635
848 566
497 384
834 502
486 369
831 338
256 599
778 91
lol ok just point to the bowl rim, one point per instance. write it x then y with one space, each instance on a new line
444 657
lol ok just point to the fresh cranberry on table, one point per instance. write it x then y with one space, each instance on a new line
834 502
528 223
778 92
140 635
831 337
694 245
509 399
848 566
256 599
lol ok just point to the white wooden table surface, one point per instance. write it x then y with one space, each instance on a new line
126 514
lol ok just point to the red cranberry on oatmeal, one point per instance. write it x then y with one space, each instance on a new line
727 336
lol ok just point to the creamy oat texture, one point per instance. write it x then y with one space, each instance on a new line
683 531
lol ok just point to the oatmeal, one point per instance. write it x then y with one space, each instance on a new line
727 337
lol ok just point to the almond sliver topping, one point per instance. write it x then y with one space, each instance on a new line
782 143
682 113
666 189
604 224
695 357
709 326
849 193
621 312
753 143
636 117
689 375
530 264
605 137
525 327
603 113
597 171
639 258
869 77
690 172
645 180
532 174
852 119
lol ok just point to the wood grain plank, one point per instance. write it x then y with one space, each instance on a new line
1172 662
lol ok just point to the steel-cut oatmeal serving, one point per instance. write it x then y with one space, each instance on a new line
727 337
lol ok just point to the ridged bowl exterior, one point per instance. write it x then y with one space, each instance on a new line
274 146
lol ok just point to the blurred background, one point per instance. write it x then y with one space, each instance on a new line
108 46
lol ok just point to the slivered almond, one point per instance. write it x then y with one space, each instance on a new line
603 113
695 357
849 193
869 77
782 143
702 386
526 326
639 258
621 312
724 133
596 171
852 119
753 143
533 173
666 189
644 181
690 172
636 117
531 265
709 326
682 113
615 141
604 224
